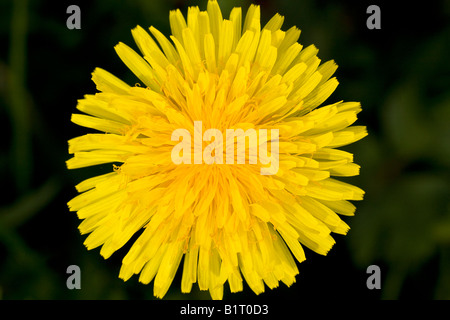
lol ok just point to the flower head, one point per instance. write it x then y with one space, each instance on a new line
226 220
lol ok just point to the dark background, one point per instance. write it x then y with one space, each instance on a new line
400 73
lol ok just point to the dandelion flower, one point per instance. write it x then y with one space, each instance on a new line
222 222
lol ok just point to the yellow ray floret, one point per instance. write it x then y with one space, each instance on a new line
221 221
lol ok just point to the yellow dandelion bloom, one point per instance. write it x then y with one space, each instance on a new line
199 204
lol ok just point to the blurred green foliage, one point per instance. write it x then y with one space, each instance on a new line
400 73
